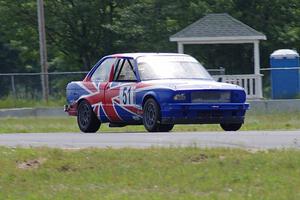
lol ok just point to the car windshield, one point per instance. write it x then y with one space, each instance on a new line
171 67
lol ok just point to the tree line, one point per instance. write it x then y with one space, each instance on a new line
80 32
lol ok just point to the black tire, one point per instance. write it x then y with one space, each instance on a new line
151 117
86 118
231 127
165 127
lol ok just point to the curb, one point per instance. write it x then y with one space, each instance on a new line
33 112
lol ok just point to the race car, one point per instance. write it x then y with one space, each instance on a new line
157 90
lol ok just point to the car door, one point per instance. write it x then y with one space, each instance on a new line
97 84
120 93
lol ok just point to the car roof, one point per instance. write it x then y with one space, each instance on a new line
136 55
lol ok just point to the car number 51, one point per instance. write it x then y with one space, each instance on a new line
126 95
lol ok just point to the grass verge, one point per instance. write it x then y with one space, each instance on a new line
170 173
279 121
11 102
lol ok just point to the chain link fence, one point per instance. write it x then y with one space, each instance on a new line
28 85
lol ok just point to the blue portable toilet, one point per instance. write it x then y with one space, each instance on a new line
285 80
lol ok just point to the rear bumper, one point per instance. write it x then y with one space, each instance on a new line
71 109
66 108
186 113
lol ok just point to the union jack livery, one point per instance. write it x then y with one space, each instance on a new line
154 89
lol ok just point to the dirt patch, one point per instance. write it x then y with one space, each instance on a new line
31 164
254 151
221 157
198 158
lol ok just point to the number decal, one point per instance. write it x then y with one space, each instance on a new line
126 95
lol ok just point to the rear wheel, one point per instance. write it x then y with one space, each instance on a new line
86 118
231 127
151 117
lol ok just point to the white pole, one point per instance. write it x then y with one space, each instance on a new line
258 84
180 47
256 58
43 49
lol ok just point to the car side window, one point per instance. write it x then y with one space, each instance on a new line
124 70
102 72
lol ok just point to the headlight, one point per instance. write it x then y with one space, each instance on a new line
179 97
238 96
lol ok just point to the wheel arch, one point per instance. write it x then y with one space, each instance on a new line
150 95
79 101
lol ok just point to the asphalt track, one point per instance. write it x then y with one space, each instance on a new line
242 139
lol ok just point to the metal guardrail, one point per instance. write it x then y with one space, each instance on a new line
279 68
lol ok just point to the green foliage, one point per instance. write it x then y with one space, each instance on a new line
19 30
81 32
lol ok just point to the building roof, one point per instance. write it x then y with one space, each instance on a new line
217 27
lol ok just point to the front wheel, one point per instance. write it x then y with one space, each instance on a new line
151 117
86 118
231 127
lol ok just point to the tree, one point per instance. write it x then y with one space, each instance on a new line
19 34
81 32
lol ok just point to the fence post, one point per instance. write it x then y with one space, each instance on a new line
13 87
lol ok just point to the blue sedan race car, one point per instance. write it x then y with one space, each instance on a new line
157 90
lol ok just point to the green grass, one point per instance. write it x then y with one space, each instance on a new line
170 173
286 121
10 102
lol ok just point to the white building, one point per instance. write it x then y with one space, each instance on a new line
224 29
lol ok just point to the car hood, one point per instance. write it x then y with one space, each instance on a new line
192 84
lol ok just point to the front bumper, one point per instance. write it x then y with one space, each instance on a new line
191 113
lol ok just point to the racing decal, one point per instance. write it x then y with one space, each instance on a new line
117 104
126 95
